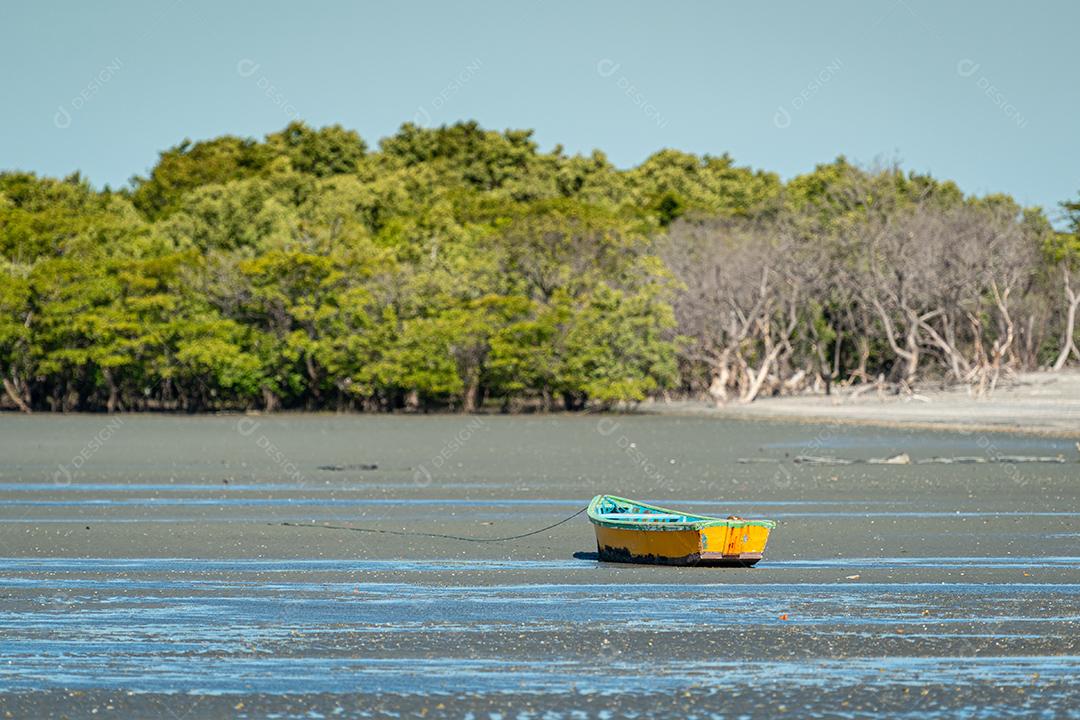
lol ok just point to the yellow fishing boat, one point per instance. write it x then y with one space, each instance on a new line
632 531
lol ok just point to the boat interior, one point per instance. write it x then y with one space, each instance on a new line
610 509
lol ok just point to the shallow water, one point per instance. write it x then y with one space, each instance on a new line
148 573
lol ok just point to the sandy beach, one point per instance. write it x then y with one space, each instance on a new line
1045 403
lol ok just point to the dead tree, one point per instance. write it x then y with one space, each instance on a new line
1068 344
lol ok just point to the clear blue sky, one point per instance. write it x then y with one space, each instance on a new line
985 93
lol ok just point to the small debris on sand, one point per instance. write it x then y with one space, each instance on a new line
905 459
960 460
819 460
968 460
901 459
1030 459
354 466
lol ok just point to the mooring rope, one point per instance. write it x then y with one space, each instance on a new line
406 533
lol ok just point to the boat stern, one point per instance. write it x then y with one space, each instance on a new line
733 545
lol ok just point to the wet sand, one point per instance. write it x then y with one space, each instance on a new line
152 577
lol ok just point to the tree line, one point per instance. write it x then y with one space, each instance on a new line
463 268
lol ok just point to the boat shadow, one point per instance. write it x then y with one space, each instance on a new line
595 557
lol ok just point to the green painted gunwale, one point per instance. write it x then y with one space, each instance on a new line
693 522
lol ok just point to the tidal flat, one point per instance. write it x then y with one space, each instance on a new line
146 569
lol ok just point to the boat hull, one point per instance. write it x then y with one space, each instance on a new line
711 546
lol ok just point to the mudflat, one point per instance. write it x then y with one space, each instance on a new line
178 567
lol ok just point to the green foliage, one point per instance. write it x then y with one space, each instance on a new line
190 165
672 182
1063 248
15 320
482 159
618 347
46 217
1072 215
453 266
328 151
